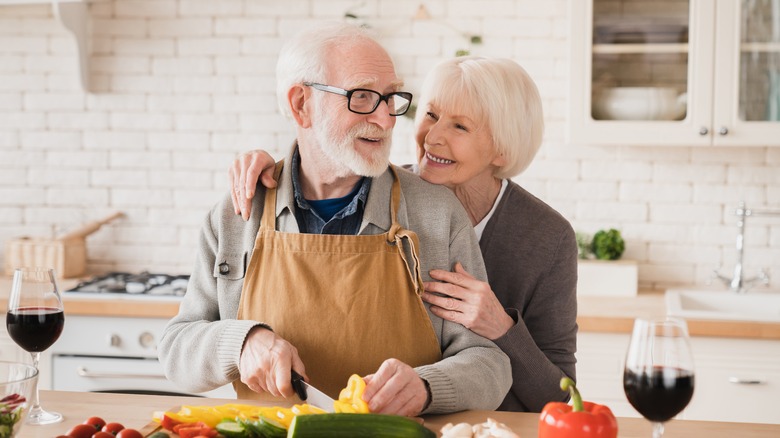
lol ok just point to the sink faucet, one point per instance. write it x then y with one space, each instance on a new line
737 283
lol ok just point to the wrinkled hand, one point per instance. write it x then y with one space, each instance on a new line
469 302
395 389
243 175
266 361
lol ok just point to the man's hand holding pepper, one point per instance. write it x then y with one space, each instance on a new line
395 389
266 361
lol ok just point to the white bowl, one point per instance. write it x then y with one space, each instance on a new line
17 386
639 103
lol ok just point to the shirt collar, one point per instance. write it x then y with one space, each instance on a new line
375 195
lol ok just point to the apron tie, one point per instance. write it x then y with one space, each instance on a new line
416 277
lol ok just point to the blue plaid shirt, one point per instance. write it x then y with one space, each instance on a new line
346 221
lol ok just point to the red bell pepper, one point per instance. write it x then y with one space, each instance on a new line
196 431
581 419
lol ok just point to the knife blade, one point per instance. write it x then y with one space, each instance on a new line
310 394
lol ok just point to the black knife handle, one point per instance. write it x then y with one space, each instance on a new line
297 384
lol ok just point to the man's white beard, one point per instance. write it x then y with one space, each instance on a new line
342 152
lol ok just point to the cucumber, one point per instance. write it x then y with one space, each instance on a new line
252 427
232 429
357 426
271 428
264 427
159 435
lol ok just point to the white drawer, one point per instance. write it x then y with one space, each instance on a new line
714 392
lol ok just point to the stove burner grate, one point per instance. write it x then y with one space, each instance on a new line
144 283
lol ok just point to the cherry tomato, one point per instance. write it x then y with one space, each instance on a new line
101 434
129 433
96 422
82 431
112 428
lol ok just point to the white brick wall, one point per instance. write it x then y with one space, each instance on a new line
182 86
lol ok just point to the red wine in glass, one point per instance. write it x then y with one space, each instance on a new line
34 321
35 328
658 374
658 395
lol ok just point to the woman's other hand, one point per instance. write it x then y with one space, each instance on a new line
468 302
243 176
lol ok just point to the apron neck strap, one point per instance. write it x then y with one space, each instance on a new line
395 201
268 221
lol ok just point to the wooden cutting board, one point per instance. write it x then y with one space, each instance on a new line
152 426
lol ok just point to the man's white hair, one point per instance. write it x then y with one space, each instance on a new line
304 57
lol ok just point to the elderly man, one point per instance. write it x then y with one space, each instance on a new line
326 277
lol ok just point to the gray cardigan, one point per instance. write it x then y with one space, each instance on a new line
201 345
530 254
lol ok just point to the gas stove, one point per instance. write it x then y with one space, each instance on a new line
143 285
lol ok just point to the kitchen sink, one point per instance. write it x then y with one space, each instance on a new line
716 304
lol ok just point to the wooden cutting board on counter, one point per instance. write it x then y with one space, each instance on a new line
152 426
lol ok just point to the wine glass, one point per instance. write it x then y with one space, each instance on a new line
658 376
35 320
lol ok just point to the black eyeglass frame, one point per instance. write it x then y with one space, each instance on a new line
348 94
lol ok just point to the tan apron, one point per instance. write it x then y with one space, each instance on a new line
346 302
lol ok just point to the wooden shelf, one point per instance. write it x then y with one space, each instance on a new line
620 49
770 47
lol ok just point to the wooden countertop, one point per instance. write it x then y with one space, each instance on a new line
595 314
135 411
616 315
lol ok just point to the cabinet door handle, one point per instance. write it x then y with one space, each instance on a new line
703 130
743 381
723 130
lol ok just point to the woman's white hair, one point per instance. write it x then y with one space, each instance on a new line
305 56
499 93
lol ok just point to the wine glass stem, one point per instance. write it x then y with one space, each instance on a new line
658 430
35 358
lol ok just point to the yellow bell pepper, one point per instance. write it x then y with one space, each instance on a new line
213 415
351 398
306 409
284 416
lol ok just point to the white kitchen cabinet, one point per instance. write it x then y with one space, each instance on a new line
600 359
11 352
735 379
718 60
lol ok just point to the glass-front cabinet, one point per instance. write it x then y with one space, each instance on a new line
675 72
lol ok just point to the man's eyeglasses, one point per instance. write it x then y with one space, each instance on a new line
362 101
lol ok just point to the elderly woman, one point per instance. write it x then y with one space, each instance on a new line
479 123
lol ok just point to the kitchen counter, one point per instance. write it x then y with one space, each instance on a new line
595 314
135 411
616 315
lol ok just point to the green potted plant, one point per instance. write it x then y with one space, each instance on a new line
600 269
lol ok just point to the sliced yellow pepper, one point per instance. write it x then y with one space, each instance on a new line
213 415
284 416
351 398
306 409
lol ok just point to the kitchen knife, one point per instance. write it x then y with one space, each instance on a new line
310 394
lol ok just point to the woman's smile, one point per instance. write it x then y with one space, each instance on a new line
436 159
